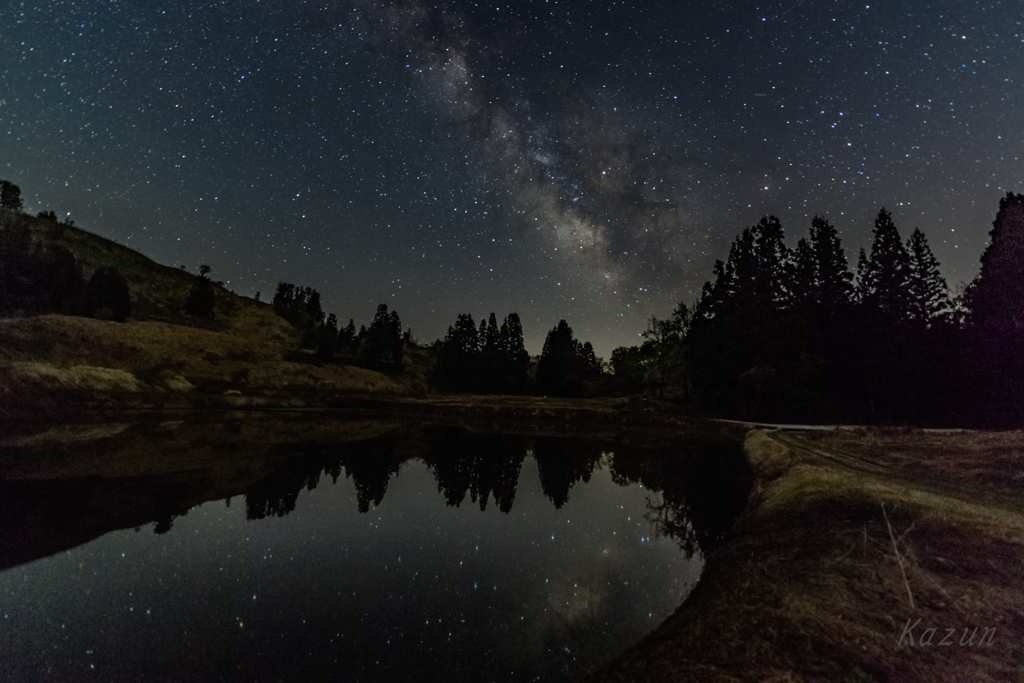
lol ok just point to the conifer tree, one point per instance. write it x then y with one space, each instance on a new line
832 276
996 315
996 297
753 290
805 276
561 369
201 297
490 354
384 338
515 359
928 295
325 339
885 279
347 336
460 355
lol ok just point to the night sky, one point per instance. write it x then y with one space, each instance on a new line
577 160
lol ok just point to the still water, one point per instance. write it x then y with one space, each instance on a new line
230 550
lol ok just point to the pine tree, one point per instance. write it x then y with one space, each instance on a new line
326 339
805 275
384 339
459 363
928 295
347 337
996 297
886 272
996 316
312 308
515 359
832 277
753 291
201 297
561 370
491 358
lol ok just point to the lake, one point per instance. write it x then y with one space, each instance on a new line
269 547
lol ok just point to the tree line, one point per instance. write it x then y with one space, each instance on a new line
479 359
381 346
786 334
793 335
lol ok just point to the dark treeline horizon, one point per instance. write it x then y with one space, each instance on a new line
791 335
780 334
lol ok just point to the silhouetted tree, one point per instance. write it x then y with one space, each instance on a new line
822 320
313 309
927 294
823 280
201 297
514 358
883 277
629 368
347 337
662 355
741 334
300 306
58 279
384 339
561 369
10 196
107 289
326 339
996 319
491 360
460 359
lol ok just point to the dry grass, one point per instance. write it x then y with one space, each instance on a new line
46 354
817 588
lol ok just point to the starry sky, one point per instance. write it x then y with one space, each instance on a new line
577 160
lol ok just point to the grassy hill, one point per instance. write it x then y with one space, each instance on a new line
161 355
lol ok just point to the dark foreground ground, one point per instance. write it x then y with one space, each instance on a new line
863 555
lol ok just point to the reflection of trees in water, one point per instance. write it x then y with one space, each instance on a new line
700 490
168 503
563 462
670 515
275 496
370 463
478 464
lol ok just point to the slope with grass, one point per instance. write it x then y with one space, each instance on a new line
162 356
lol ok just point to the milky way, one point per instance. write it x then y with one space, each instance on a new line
586 160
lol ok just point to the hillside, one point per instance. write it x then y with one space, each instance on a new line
161 356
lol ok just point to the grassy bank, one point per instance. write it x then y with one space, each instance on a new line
66 363
852 541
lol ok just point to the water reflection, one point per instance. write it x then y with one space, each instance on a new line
696 490
562 463
477 464
549 568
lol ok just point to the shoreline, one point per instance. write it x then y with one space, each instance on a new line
847 541
849 535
